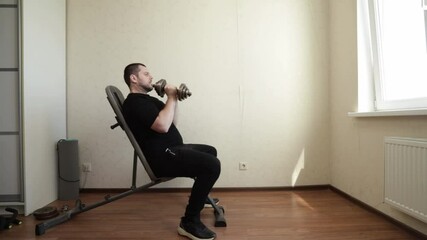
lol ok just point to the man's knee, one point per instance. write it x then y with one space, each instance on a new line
215 167
212 150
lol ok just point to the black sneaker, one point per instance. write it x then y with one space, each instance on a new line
209 205
195 230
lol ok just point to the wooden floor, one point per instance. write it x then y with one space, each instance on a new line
260 215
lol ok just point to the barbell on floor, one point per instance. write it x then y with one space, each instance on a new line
182 92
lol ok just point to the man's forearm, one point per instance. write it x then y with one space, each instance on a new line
166 116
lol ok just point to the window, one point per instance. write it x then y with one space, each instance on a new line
397 33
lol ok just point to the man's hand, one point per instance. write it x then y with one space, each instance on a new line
171 91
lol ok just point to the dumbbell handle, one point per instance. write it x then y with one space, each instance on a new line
182 92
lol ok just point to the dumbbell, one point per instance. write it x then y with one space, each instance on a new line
182 92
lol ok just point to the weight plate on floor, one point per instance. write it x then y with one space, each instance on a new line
45 213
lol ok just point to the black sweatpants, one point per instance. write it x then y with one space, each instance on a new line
196 161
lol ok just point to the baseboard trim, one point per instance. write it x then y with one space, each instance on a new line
220 189
261 189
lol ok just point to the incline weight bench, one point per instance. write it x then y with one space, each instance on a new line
115 97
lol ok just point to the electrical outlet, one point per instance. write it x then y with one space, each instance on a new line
87 167
243 166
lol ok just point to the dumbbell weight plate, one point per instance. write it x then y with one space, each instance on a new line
45 213
183 92
159 87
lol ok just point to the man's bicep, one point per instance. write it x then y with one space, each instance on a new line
158 125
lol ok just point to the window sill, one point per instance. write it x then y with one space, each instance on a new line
390 113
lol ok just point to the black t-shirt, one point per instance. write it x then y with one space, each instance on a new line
140 111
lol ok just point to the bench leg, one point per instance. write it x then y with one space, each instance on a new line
219 213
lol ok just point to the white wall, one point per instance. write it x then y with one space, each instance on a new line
43 97
357 152
258 70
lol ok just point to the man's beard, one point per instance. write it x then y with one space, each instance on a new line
147 88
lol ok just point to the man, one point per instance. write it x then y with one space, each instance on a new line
151 121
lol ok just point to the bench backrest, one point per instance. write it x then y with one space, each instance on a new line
115 97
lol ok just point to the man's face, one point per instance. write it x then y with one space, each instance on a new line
144 79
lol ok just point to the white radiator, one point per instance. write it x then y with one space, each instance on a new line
406 175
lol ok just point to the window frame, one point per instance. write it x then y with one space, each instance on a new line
366 84
377 64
